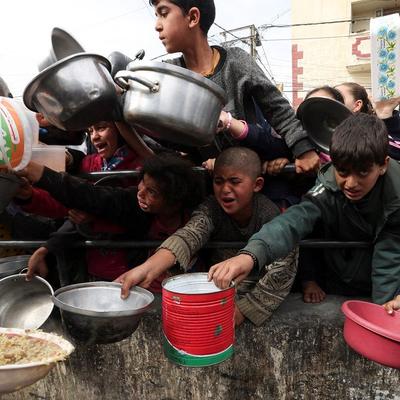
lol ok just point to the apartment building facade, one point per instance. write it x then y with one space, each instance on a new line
331 42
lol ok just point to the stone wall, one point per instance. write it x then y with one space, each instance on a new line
299 354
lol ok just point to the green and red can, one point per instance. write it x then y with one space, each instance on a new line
198 320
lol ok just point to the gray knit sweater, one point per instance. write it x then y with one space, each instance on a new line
244 81
259 295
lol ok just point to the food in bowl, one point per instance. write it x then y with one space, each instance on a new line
18 375
23 349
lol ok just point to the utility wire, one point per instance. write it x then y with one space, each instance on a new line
268 26
307 38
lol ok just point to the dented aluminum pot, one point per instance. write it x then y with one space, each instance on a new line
75 92
171 103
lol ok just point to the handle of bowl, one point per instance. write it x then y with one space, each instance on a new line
23 271
122 78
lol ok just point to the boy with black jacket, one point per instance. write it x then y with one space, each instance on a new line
356 197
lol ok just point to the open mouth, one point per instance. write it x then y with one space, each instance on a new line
100 146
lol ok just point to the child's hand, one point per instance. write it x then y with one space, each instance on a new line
234 269
274 167
392 305
384 108
307 162
37 264
138 276
209 164
239 317
33 172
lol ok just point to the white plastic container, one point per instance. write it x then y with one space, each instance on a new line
385 57
49 156
19 131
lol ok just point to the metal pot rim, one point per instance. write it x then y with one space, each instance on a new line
76 310
23 277
198 277
179 72
35 82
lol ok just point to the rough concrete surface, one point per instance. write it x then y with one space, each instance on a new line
299 354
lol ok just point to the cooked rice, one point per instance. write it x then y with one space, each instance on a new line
18 349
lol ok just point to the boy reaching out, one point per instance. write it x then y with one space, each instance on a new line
356 197
234 213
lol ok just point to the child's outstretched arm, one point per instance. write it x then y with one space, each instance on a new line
392 305
145 273
233 269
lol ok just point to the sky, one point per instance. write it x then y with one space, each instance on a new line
104 26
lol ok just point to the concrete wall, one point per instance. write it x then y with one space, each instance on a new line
299 354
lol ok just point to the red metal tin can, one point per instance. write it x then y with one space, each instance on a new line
198 320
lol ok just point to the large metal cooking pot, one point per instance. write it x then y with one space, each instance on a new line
94 312
13 265
74 92
62 45
23 304
171 102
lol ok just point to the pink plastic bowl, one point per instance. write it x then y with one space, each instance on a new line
372 332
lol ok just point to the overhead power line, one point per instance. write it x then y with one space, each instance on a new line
268 26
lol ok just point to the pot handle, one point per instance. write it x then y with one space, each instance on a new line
122 78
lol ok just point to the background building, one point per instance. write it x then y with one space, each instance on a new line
330 44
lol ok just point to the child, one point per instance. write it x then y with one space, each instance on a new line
234 213
112 153
392 305
357 197
182 26
168 190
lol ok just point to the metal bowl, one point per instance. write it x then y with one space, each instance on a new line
75 92
13 265
94 312
23 304
16 376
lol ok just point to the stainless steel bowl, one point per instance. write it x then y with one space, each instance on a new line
75 92
12 265
94 312
23 304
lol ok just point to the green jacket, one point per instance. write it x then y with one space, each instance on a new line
376 219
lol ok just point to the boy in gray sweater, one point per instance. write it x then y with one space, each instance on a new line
234 213
182 26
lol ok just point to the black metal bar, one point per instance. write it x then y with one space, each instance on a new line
289 168
310 243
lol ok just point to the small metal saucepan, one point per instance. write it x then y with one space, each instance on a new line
171 102
23 304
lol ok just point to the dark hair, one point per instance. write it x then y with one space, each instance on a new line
242 158
360 141
359 93
179 184
206 8
334 93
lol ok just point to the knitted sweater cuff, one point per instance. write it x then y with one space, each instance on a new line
178 248
251 312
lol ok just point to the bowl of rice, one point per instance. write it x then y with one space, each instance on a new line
27 356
